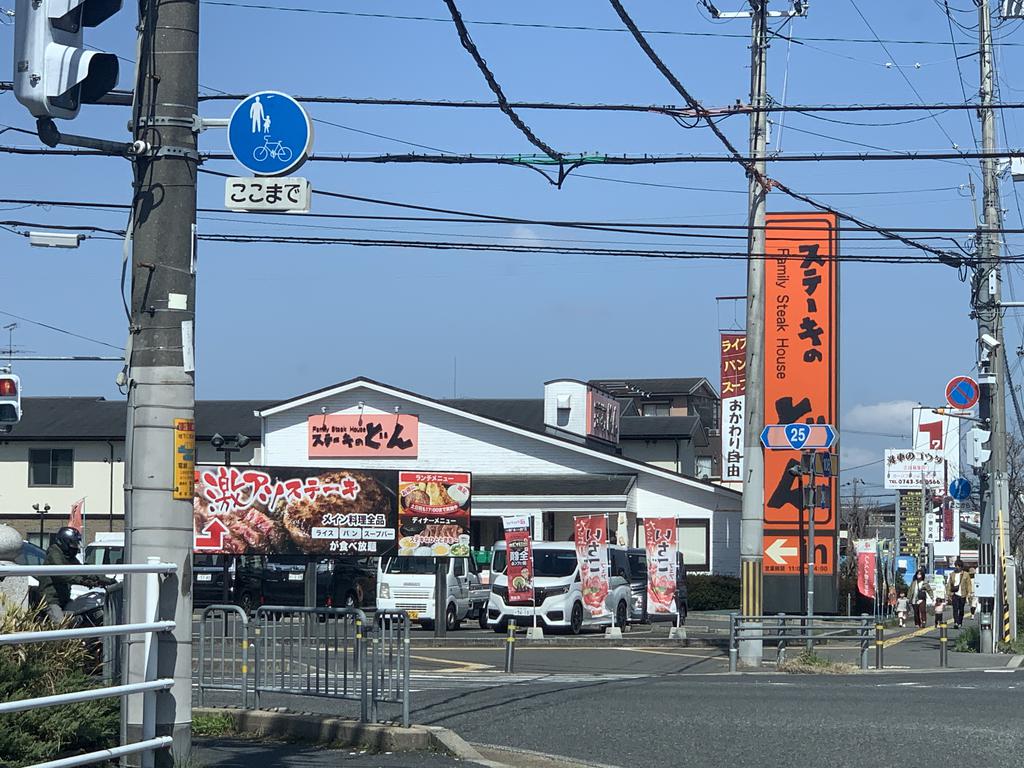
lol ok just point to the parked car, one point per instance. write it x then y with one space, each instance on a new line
30 554
558 591
682 591
352 582
407 584
208 580
636 575
275 580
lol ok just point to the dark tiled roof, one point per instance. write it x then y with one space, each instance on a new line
654 427
551 485
94 418
644 387
525 413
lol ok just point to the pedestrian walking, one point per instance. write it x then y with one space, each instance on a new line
920 592
960 586
902 604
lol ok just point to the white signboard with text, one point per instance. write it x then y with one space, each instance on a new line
909 469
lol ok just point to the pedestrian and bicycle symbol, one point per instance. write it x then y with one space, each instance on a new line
962 392
270 133
960 489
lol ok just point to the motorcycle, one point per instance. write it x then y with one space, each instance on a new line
87 610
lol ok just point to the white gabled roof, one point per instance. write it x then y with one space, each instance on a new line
412 397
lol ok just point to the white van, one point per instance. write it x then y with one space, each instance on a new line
407 584
558 591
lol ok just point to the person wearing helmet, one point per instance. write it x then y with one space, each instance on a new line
56 590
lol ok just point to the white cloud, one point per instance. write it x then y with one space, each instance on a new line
527 236
891 417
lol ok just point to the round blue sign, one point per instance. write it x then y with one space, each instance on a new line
960 489
270 133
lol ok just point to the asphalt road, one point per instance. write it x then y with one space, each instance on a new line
727 721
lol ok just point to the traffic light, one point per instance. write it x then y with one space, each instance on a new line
980 454
10 398
54 74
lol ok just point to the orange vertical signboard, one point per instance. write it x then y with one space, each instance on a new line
801 362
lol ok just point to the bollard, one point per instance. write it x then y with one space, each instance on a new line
510 647
879 630
943 641
865 639
733 643
780 657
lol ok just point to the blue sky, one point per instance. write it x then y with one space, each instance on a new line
276 320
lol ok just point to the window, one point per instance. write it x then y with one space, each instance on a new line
695 544
655 409
703 466
50 466
460 566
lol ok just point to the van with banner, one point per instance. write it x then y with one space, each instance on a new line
558 592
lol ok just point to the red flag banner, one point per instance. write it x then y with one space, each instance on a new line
660 541
519 570
866 567
77 512
592 556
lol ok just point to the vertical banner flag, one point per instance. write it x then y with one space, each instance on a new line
592 556
77 514
801 354
734 388
866 566
520 559
660 540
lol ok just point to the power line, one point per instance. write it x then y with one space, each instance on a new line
58 330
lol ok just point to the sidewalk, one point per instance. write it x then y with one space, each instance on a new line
243 753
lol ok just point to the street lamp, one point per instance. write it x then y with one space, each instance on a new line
42 514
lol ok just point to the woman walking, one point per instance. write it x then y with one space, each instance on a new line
920 591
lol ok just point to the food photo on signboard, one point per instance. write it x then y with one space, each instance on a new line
433 514
295 510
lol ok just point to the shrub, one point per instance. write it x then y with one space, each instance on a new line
969 640
713 593
212 724
43 669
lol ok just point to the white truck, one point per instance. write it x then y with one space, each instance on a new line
406 583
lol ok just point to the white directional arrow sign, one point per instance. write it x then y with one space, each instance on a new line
780 553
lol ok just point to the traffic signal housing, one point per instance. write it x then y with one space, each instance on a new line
10 398
979 453
54 74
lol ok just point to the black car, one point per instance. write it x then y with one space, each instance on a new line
636 573
208 580
352 582
344 582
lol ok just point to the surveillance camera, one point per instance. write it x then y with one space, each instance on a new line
990 341
241 440
217 441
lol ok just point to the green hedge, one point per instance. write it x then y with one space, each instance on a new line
713 593
40 669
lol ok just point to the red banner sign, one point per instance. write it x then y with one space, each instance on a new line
433 513
519 570
592 555
363 436
866 573
660 541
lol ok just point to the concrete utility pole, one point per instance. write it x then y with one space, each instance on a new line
986 305
160 367
752 516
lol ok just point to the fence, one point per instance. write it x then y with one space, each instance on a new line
327 652
148 688
806 630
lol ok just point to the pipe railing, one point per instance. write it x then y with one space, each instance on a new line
807 629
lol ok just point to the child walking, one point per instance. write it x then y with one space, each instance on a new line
902 605
940 604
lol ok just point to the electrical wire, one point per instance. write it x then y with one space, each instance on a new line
65 331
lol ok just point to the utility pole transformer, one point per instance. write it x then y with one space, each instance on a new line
752 515
160 355
994 486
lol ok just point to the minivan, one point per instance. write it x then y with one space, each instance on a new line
557 591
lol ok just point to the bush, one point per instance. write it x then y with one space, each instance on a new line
713 593
44 669
212 724
969 640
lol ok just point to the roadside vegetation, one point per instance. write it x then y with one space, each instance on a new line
713 593
45 669
213 724
810 663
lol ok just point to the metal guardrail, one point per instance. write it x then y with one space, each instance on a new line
390 662
148 688
223 663
311 652
806 630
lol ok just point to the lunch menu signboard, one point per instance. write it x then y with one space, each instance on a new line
249 510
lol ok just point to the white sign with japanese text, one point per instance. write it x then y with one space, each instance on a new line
267 195
908 469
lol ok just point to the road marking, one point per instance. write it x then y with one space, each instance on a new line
901 638
460 666
673 653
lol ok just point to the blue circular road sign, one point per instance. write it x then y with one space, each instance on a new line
270 133
960 489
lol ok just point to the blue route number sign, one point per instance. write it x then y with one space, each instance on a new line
270 133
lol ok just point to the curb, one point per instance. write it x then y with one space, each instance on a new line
314 729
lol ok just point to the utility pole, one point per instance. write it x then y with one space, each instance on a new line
160 360
752 515
986 306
